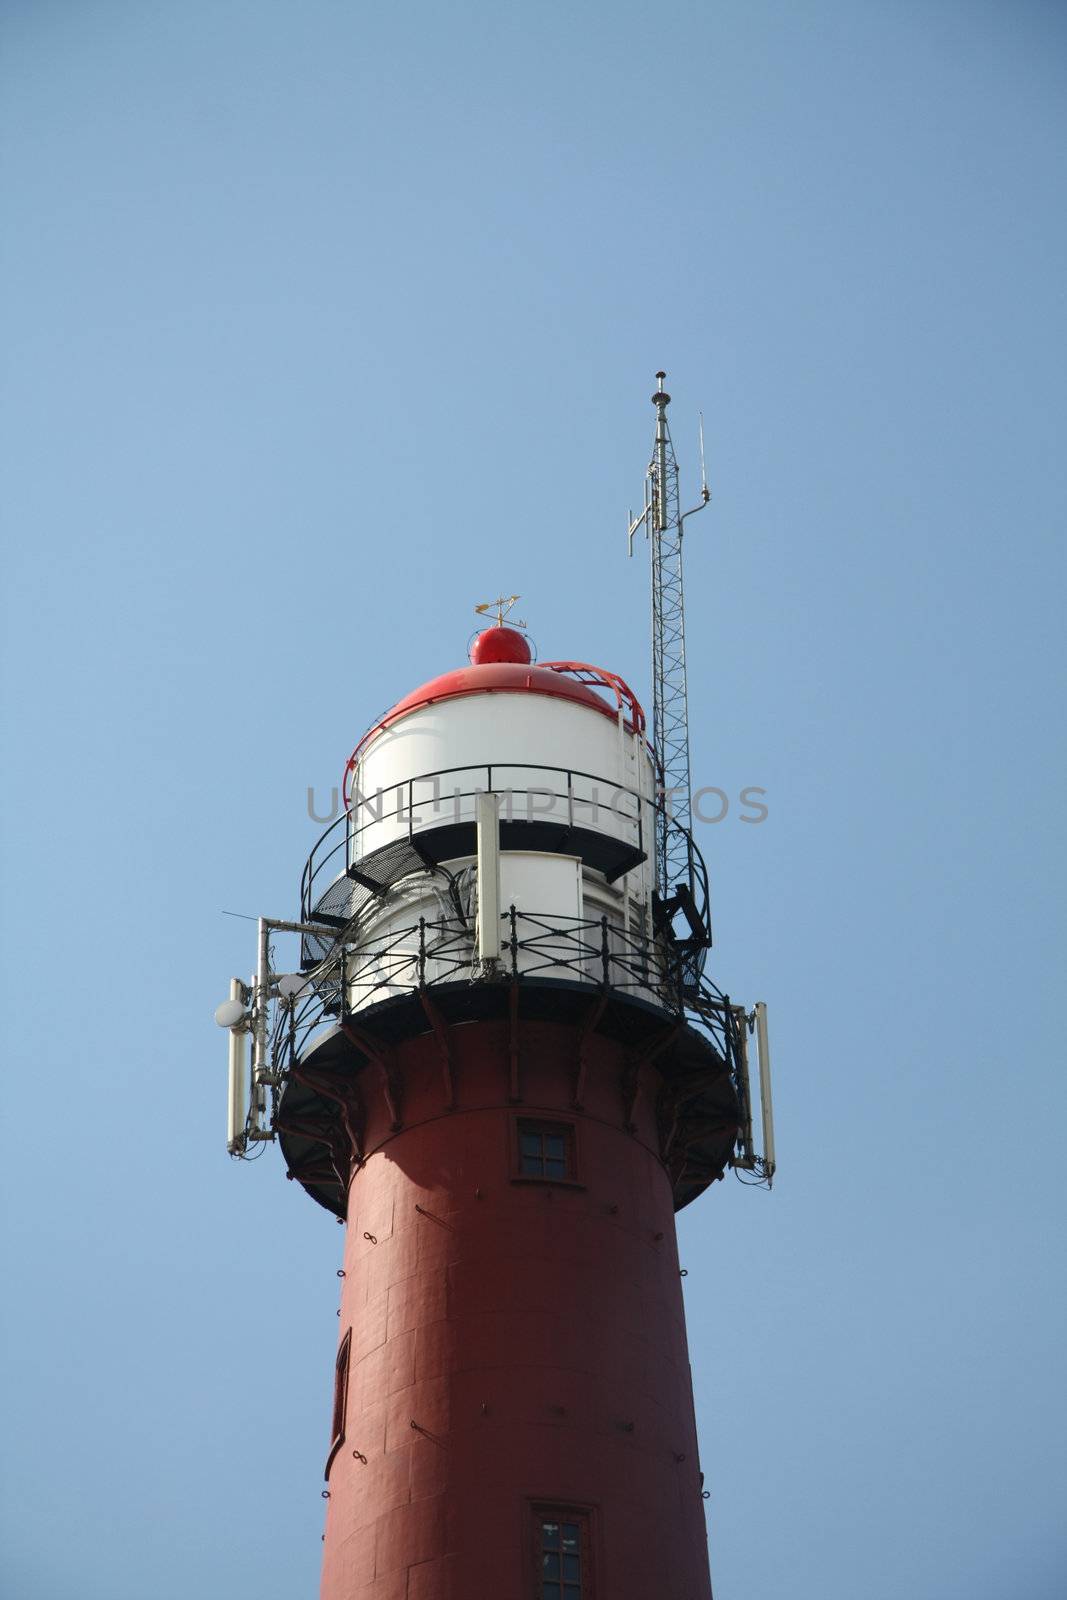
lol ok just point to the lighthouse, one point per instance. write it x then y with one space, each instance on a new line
499 1061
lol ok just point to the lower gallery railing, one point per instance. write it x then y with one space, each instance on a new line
591 952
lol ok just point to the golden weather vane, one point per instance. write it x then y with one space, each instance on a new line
502 606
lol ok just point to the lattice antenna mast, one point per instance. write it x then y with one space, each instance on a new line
664 524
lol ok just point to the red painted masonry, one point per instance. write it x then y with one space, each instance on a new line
534 1334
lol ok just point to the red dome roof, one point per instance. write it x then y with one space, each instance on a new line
509 677
498 677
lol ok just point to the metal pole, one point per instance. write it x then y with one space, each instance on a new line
659 517
260 1000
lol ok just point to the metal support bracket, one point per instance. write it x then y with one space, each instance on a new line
589 1025
444 1046
631 1072
384 1059
514 1093
348 1097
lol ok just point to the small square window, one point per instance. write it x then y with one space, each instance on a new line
546 1150
563 1568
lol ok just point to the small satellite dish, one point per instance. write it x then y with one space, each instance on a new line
230 1014
290 984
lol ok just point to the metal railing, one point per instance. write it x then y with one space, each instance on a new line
342 846
587 952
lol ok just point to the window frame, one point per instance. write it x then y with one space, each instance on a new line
339 1416
542 1123
542 1511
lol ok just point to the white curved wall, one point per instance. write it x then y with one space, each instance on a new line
531 741
557 928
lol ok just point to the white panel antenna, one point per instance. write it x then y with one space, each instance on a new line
487 817
234 1008
763 1051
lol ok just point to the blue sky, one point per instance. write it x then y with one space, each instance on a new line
325 322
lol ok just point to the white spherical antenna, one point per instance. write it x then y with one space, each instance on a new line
290 984
230 1014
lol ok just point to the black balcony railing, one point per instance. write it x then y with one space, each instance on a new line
534 949
554 808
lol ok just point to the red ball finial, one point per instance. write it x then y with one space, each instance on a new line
500 644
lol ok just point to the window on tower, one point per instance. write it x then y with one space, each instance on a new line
340 1399
545 1150
563 1556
